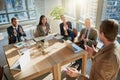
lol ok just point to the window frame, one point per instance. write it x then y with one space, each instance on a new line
27 11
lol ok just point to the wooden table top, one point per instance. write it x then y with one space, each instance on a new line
41 64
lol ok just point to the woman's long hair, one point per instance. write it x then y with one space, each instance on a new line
40 21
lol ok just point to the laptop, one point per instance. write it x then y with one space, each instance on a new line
16 66
73 46
22 60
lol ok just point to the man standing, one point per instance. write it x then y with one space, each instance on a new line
106 62
15 32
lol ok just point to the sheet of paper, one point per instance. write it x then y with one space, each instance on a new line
24 59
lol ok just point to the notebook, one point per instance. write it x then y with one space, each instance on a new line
73 46
19 44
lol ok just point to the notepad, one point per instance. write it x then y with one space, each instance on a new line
19 45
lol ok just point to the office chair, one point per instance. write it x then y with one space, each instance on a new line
2 74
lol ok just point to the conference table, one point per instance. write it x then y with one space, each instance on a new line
36 62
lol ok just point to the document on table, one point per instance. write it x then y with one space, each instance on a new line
24 59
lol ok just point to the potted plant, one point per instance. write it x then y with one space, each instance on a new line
55 21
57 12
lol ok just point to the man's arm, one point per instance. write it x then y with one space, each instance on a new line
93 41
22 33
80 36
82 77
107 69
72 72
8 31
11 35
69 25
61 29
11 32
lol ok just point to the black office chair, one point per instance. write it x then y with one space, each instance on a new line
118 76
1 73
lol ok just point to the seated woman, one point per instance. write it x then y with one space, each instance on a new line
66 29
43 27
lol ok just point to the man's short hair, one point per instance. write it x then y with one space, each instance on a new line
110 29
13 19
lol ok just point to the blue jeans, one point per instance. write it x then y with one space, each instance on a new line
79 61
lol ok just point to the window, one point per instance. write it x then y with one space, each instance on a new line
82 9
111 10
88 8
70 7
21 9
15 5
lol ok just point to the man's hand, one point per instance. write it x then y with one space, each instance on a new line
90 50
85 39
82 37
20 30
15 32
72 72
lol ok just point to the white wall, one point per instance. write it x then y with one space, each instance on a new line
50 4
44 7
40 9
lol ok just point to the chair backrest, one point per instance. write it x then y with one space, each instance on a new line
1 73
118 76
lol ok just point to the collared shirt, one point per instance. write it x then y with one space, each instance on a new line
87 32
15 27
